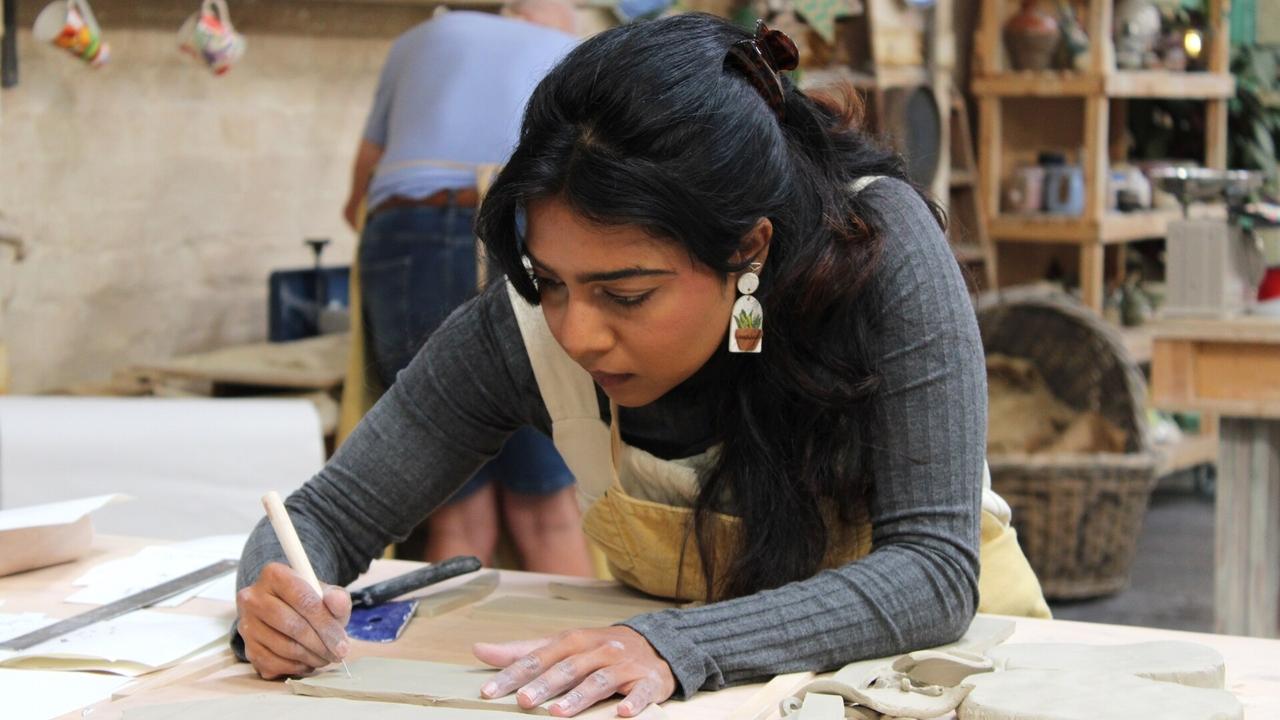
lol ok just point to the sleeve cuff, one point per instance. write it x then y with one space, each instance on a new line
692 667
237 642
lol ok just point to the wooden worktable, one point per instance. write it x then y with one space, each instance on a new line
1231 367
1251 663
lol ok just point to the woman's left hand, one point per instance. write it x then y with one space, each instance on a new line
586 665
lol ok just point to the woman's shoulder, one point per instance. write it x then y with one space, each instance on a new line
914 256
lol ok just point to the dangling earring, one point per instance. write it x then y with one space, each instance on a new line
746 326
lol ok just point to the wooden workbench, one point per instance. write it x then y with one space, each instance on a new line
1250 662
1231 368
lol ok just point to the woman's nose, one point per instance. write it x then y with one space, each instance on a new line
583 332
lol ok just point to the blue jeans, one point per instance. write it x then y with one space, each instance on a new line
417 264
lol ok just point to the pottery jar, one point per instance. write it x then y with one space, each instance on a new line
1063 186
1032 37
1024 193
1137 27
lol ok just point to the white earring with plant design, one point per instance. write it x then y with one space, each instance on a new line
746 325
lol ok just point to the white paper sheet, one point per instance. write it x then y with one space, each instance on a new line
58 513
151 566
131 644
43 694
110 581
14 624
222 590
194 466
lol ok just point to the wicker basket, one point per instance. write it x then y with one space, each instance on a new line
1077 515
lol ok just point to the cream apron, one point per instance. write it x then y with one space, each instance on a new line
638 507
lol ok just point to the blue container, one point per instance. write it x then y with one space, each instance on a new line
1063 189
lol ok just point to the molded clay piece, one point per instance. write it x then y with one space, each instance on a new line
984 633
894 695
1077 695
920 684
1176 662
821 707
948 669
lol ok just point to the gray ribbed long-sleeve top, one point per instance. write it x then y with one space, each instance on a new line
452 408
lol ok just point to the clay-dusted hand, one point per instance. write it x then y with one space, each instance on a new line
586 666
287 630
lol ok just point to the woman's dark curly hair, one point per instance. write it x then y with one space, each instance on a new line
644 125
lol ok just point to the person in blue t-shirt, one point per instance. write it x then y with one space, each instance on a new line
449 100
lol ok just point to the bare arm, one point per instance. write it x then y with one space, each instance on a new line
367 157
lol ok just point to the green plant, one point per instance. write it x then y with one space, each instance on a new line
1255 111
747 320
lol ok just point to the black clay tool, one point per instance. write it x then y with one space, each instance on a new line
379 593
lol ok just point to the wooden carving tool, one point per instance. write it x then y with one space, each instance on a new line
288 537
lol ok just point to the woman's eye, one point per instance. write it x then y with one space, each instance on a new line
545 283
629 300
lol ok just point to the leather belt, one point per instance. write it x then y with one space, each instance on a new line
463 197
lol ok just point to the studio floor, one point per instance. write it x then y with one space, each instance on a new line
1172 579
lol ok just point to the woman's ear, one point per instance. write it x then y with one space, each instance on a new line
755 244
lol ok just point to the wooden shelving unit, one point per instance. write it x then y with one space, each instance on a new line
1076 111
1119 84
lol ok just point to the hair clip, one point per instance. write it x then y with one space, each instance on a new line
761 58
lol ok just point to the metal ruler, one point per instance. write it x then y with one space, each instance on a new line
136 601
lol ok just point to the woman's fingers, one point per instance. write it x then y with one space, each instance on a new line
647 691
281 645
592 670
529 665
503 654
338 602
586 666
276 615
269 665
287 628
314 611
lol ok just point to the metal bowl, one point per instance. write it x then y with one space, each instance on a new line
1205 184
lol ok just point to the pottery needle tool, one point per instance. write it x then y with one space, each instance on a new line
288 537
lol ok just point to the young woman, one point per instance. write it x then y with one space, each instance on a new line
820 482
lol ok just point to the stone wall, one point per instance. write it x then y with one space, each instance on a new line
154 199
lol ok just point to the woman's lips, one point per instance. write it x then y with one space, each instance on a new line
610 380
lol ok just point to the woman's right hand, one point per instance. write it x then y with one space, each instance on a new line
287 630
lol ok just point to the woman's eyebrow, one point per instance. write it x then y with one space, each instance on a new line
606 275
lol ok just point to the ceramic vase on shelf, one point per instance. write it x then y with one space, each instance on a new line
1032 38
1137 27
1073 50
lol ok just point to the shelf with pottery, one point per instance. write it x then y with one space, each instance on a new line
1112 228
1117 84
1075 111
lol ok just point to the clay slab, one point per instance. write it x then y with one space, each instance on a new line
413 682
1169 661
1076 695
292 707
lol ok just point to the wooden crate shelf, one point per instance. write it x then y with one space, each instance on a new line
1177 85
1073 112
1114 227
1118 84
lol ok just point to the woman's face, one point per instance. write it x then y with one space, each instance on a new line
638 313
